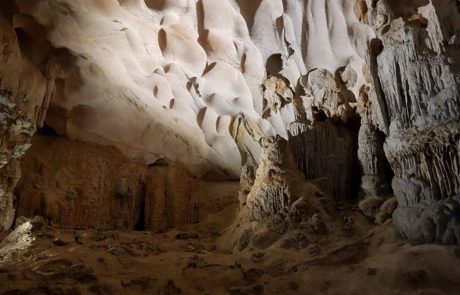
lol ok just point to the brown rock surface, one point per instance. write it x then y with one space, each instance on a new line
88 185
370 261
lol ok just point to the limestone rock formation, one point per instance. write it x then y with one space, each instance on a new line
229 146
277 94
417 68
16 132
355 86
170 197
80 185
167 79
110 74
22 90
275 187
88 185
327 153
279 202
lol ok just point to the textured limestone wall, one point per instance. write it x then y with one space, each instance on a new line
172 198
147 75
22 91
417 65
86 185
327 153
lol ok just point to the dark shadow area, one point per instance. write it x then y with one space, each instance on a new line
327 154
353 126
162 40
274 64
248 10
318 115
156 4
140 224
376 47
47 130
389 173
406 8
200 23
8 8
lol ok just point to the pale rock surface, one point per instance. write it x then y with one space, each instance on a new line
416 61
145 76
17 242
167 79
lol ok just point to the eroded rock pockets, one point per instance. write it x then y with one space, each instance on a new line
185 68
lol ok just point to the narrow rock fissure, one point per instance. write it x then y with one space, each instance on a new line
140 224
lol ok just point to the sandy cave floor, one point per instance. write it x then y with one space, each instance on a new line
198 259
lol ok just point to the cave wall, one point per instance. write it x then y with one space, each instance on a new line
351 84
22 90
87 185
80 185
147 75
417 65
327 153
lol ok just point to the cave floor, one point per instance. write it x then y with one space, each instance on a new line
197 259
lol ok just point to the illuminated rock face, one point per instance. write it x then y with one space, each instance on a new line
159 78
349 83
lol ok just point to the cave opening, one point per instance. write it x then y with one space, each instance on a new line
47 130
8 8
